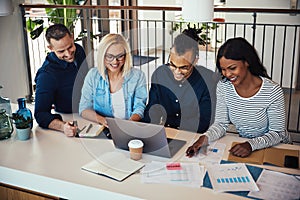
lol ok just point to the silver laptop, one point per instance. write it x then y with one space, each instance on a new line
153 136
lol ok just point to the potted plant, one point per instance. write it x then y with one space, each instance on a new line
68 17
23 126
204 30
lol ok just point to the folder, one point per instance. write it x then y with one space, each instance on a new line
271 155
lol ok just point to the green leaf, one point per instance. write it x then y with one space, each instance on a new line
62 15
36 32
31 24
20 121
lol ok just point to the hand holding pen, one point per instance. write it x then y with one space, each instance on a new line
201 142
70 128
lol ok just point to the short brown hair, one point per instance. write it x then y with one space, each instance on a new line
57 31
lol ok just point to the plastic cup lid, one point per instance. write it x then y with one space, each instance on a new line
135 143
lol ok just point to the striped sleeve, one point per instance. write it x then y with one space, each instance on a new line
276 115
219 127
261 118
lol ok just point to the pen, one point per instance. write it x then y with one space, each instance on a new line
75 123
89 128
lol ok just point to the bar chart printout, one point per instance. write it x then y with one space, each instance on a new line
231 177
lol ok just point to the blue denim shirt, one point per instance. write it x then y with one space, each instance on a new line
95 93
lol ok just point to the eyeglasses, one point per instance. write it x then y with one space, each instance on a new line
184 68
109 57
181 68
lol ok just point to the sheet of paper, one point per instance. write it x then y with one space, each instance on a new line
276 186
185 174
212 154
231 177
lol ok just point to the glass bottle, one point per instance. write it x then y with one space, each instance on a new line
5 104
25 112
6 127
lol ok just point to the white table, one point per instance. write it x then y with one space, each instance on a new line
51 163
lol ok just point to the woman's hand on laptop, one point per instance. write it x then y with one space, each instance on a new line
135 117
93 116
193 150
102 120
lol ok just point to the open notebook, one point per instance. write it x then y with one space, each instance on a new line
91 131
114 165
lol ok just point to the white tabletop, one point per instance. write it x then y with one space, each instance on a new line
49 162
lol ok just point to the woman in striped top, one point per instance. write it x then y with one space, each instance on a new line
248 98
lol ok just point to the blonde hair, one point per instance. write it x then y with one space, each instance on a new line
104 44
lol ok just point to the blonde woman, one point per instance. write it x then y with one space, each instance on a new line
114 88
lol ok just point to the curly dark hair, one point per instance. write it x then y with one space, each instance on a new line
188 40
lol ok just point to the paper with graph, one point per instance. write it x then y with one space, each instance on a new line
184 174
231 177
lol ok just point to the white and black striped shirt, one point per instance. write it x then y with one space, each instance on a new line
260 117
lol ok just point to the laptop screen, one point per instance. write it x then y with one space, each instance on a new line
153 136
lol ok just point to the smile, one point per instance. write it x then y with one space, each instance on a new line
233 79
114 66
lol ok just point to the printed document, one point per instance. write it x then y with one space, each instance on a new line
276 186
231 177
207 155
185 174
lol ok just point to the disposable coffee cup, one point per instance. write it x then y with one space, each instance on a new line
136 149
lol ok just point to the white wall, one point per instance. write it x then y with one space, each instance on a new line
262 18
13 75
156 15
268 44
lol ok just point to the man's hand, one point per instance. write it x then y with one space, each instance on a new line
70 129
241 150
